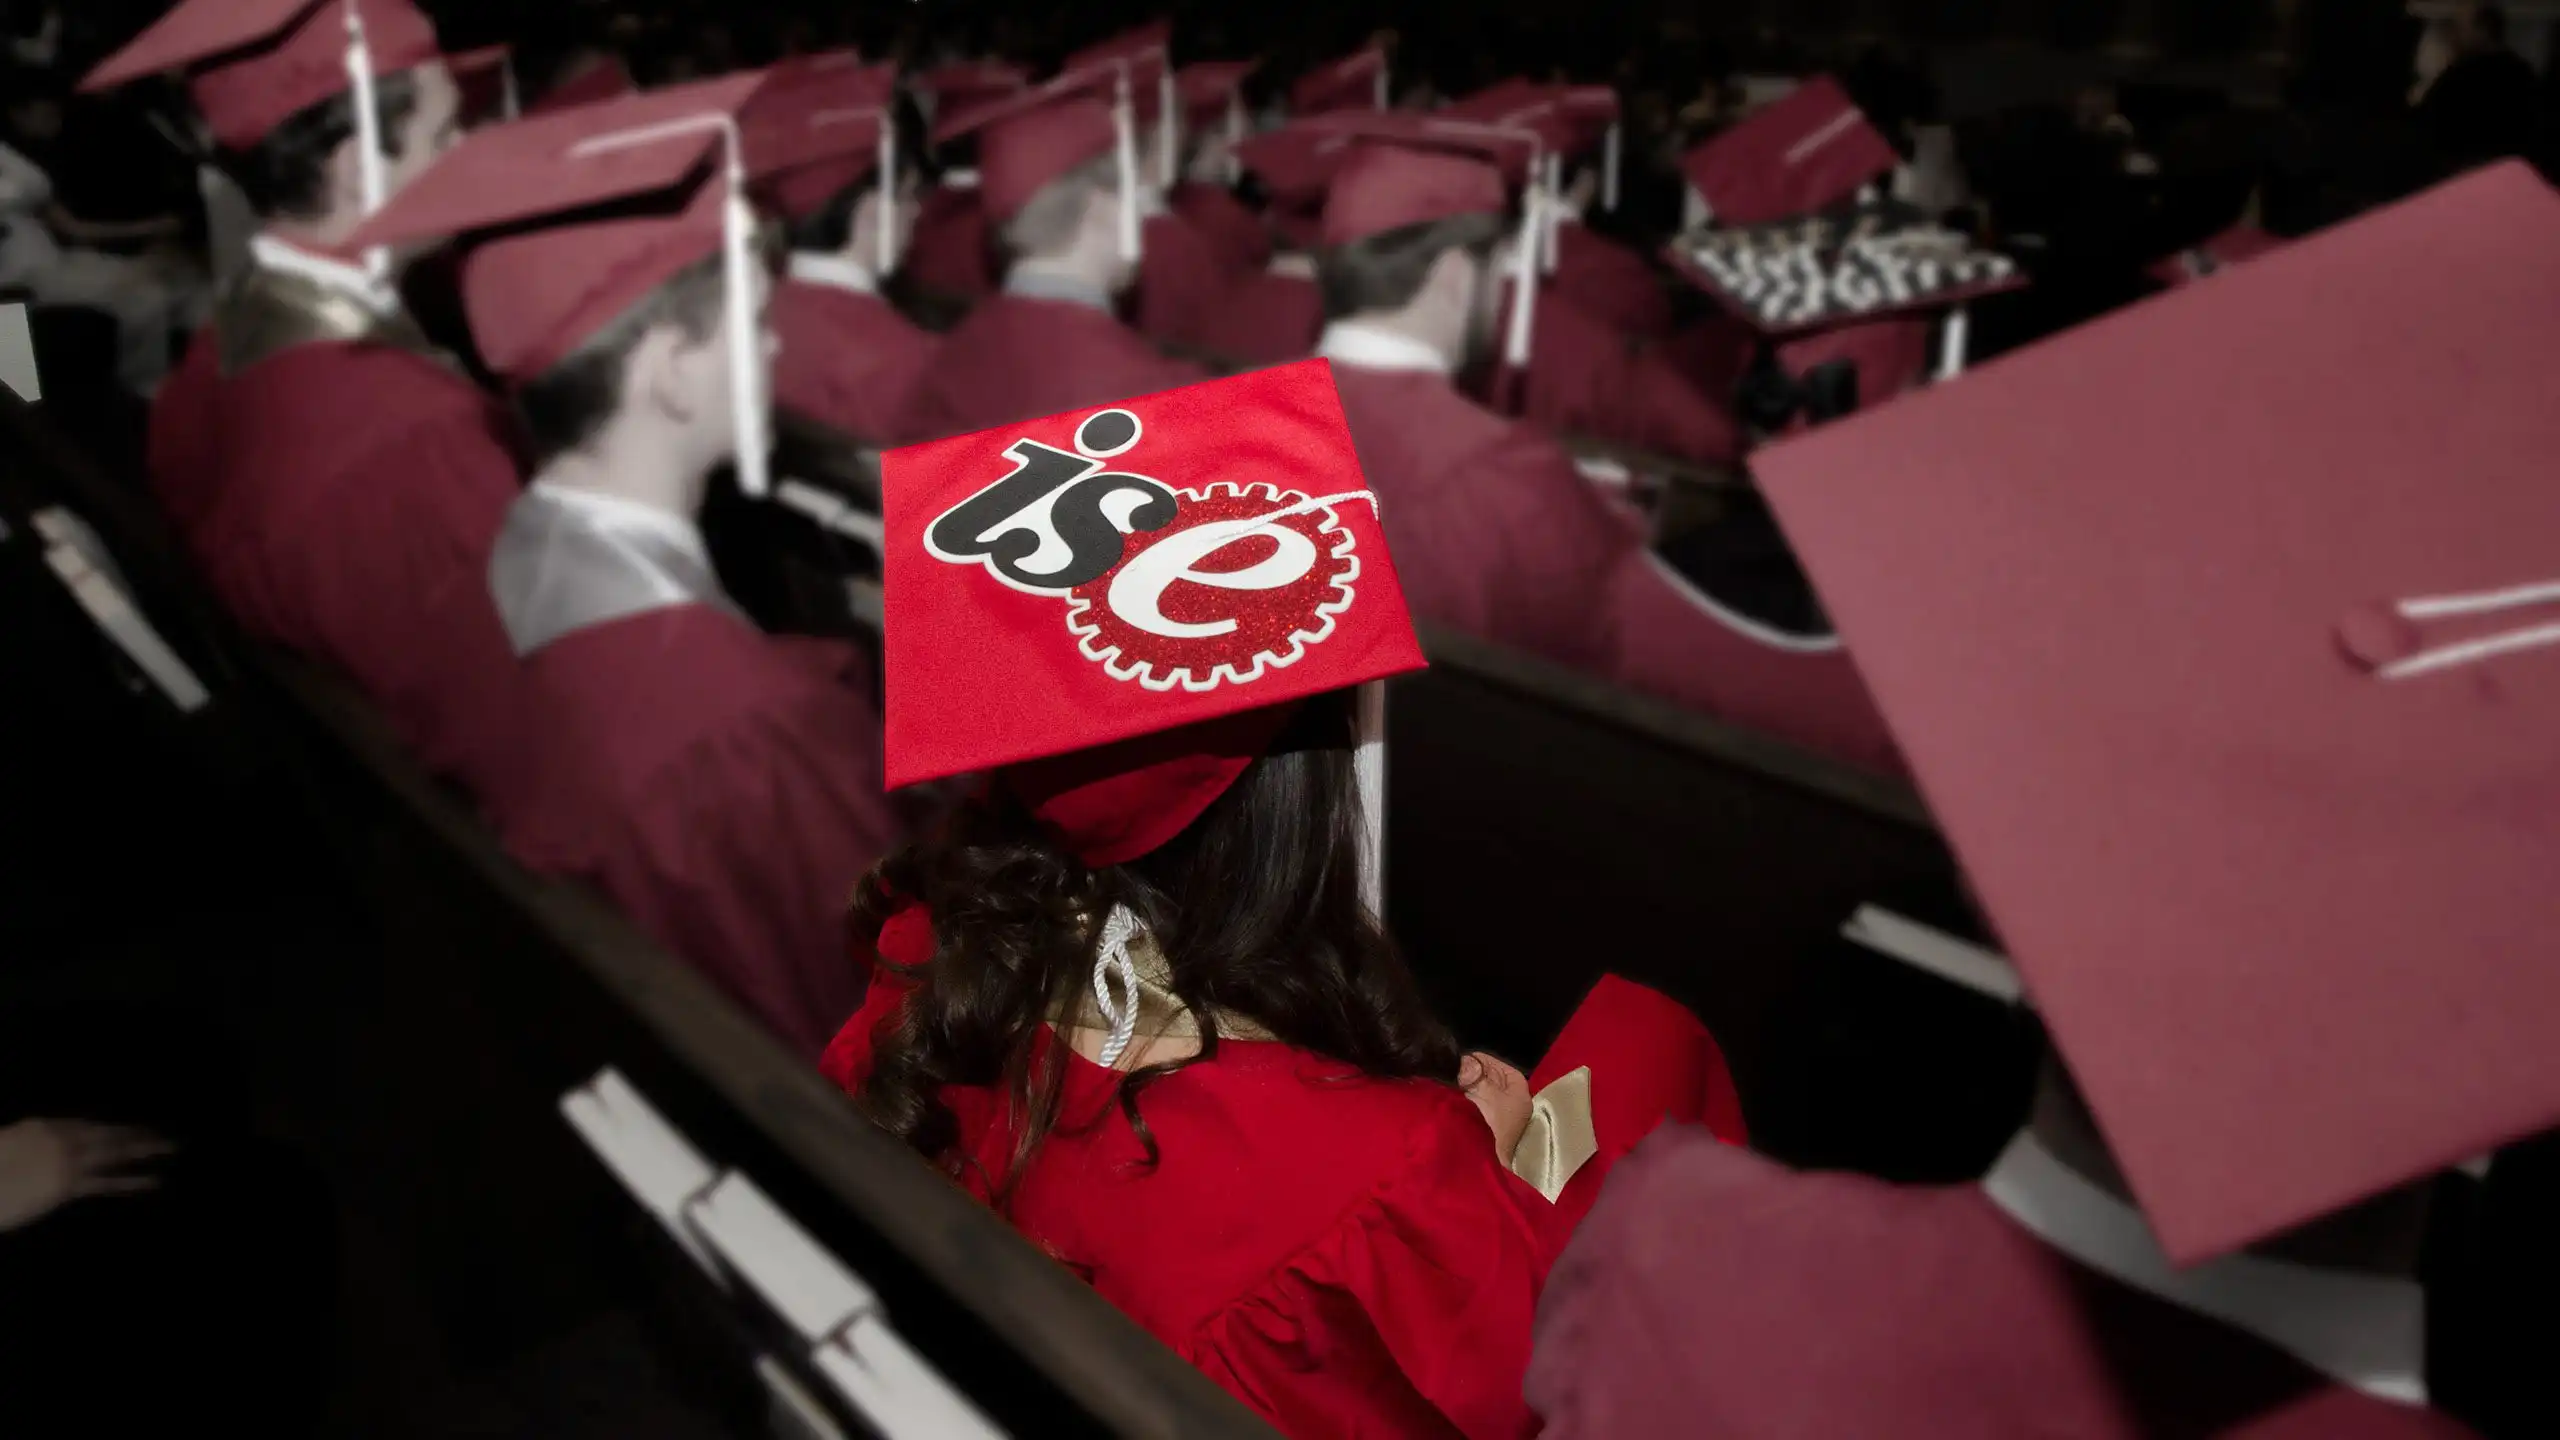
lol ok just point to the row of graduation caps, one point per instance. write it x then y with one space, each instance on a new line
2266 847
2161 647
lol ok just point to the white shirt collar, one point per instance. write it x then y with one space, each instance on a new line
615 515
2365 1331
834 272
1038 284
1366 347
352 281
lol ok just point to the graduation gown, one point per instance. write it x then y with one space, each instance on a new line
339 485
1587 378
1715 1294
1387 1291
1613 283
1019 357
1496 534
1187 297
848 357
947 249
721 785
1236 235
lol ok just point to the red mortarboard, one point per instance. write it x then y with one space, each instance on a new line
251 65
819 126
1811 149
534 297
1027 140
1298 161
1210 87
1024 625
1143 59
603 79
2271 837
1356 81
965 82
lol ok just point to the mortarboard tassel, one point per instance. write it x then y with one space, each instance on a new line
372 182
1124 124
1383 92
1168 128
1524 283
510 99
889 236
1236 127
1610 146
1369 760
1952 338
1550 248
1113 962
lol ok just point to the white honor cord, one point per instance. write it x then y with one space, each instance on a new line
1112 961
1383 88
2487 647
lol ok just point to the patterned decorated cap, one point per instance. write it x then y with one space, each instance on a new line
1114 606
2223 636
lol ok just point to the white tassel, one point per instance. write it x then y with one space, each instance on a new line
1609 157
1112 961
1124 122
1524 283
889 236
373 183
1370 763
1550 247
1168 129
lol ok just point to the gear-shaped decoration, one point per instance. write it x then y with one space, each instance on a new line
1243 581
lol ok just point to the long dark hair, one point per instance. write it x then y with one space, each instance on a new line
1256 907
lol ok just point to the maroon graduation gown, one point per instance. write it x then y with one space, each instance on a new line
1497 535
1235 234
848 359
1611 282
947 249
1890 355
1714 1294
1018 358
341 499
723 787
1587 378
1189 299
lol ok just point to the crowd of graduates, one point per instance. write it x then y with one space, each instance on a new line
1165 378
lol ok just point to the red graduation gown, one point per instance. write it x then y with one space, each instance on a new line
1496 534
723 787
947 249
1891 356
1018 358
1387 1291
1611 282
1714 1294
1235 234
848 359
1188 298
341 500
1587 378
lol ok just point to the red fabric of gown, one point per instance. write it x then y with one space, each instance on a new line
1387 1291
1496 534
341 500
1188 297
723 787
1717 1295
947 249
1018 358
1613 283
1235 234
848 359
1587 378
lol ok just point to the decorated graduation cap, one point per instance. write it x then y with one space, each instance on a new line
251 65
1358 81
1810 149
1116 609
2223 638
593 209
1029 140
821 125
1841 267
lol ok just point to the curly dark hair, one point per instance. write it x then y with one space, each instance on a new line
1256 907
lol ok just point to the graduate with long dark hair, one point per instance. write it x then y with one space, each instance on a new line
1137 995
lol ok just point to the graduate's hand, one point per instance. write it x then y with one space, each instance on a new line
1502 1093
47 1164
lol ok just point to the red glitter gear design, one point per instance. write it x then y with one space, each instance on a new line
1272 628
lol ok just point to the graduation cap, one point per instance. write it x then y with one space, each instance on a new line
585 212
1142 60
963 83
1821 272
1030 139
1115 608
487 79
1810 149
605 78
1359 80
1409 170
251 65
821 125
2220 634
